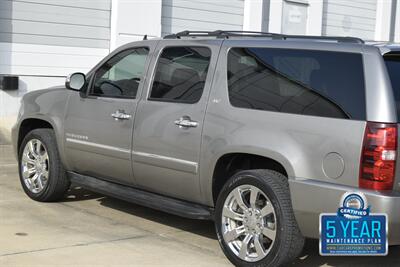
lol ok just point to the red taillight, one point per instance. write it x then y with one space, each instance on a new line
378 156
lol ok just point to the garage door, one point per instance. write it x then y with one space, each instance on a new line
52 37
56 22
180 15
352 18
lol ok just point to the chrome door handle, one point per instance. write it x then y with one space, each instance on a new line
121 115
186 122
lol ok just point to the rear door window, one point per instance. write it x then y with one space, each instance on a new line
318 83
393 67
181 74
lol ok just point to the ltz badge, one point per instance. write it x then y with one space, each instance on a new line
353 230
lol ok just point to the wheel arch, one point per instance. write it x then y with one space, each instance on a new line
230 163
29 124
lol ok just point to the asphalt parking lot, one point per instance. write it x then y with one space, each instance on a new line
87 229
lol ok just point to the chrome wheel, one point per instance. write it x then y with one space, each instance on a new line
35 166
248 223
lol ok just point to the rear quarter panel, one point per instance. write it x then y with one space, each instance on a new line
300 143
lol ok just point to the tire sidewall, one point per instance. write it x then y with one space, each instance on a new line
248 178
52 154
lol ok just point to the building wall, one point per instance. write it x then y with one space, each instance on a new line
204 15
10 101
395 23
44 40
56 22
131 20
352 18
52 37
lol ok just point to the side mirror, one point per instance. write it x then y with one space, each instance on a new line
75 81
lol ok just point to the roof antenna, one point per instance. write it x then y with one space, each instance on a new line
145 37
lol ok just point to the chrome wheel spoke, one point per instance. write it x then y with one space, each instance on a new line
269 233
245 247
32 150
27 159
227 212
38 147
45 174
27 172
34 178
259 249
40 182
239 199
31 185
267 210
253 196
233 234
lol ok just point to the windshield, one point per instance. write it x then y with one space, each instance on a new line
393 66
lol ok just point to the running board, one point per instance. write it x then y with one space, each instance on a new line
143 198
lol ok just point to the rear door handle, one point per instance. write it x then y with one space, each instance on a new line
186 122
121 115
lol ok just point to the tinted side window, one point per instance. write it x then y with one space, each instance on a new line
181 74
121 75
393 66
318 83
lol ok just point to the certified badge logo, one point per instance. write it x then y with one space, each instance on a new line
354 206
353 230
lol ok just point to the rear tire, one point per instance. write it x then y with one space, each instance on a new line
264 220
41 172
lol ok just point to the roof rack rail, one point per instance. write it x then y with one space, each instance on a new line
227 34
219 33
341 39
187 34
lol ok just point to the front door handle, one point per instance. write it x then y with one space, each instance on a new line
121 115
186 122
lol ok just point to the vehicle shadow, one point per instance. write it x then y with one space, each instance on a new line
309 257
77 193
199 227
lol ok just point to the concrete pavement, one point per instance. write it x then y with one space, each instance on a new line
87 229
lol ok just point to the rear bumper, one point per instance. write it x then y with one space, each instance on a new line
311 198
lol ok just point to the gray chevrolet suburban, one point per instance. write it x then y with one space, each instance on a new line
259 132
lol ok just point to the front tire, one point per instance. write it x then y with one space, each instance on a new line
42 175
254 220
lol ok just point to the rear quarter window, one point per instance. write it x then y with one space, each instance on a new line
318 83
392 62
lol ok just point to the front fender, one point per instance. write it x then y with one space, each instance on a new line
46 105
